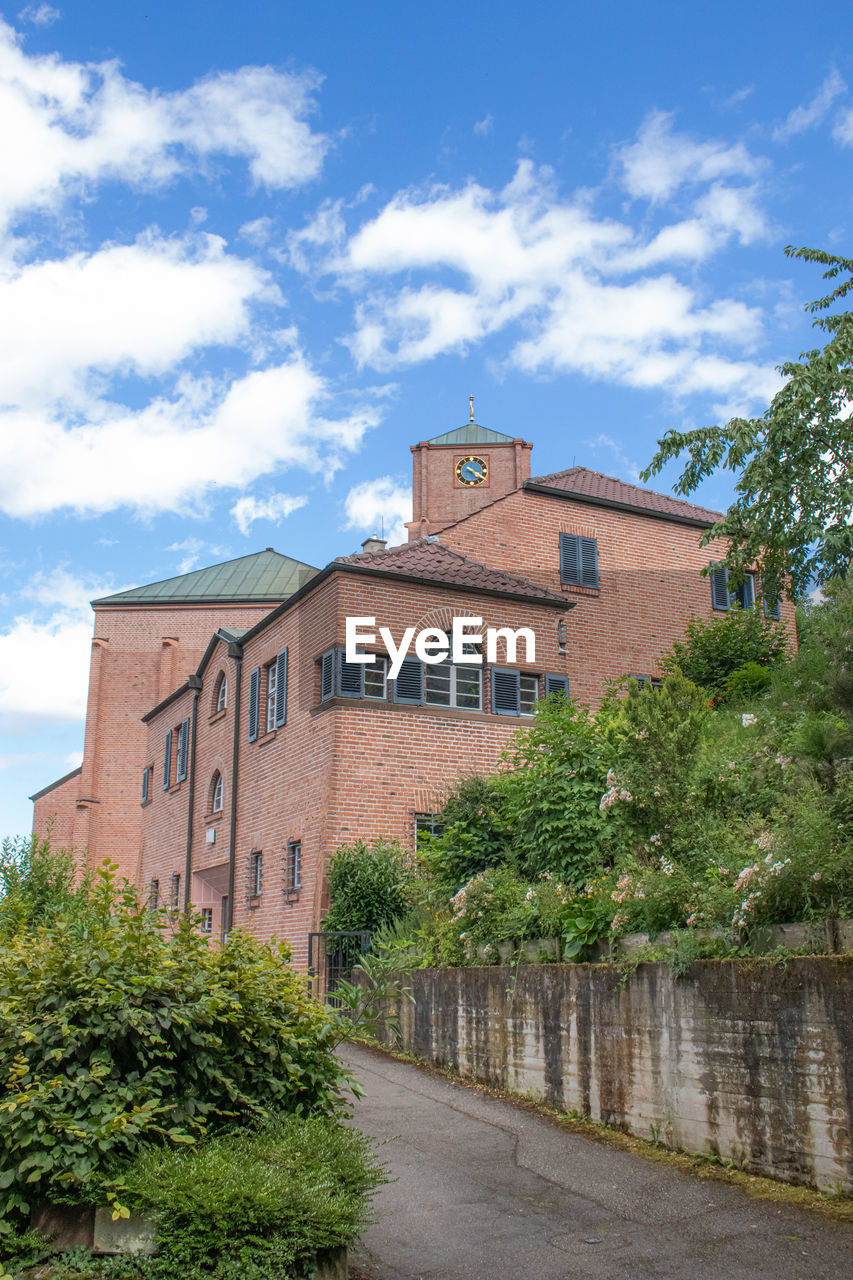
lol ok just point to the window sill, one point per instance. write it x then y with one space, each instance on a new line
292 895
175 787
263 739
214 817
143 804
253 901
419 708
218 715
576 588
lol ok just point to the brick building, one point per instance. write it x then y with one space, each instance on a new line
223 697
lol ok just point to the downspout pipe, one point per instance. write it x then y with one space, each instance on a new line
194 683
235 651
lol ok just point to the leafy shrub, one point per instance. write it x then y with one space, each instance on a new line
748 682
553 790
712 651
37 884
117 1030
272 1198
474 835
366 886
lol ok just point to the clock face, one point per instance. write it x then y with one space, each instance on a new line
472 471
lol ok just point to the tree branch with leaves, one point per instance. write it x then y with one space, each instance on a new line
791 516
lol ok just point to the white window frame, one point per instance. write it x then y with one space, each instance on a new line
293 867
256 873
271 671
217 794
206 914
222 693
534 686
376 674
453 669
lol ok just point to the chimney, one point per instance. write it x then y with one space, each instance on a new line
373 544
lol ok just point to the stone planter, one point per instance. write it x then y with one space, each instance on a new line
78 1226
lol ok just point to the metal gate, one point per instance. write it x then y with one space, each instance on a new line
332 958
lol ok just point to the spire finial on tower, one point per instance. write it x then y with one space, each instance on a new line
471 404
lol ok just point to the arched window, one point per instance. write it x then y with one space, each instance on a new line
220 696
217 793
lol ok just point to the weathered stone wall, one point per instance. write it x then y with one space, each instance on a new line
750 1062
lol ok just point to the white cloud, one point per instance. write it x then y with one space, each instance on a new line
384 503
661 160
484 126
169 454
138 308
812 113
40 15
274 508
44 661
68 125
258 231
586 292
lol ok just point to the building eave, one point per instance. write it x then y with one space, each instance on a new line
591 500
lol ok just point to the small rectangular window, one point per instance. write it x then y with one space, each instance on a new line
146 779
256 873
183 752
449 685
175 899
154 895
376 678
293 867
206 923
426 825
528 695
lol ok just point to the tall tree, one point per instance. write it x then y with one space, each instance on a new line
794 506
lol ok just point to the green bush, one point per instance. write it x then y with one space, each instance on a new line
37 884
474 832
366 886
748 682
119 1028
552 792
272 1199
712 651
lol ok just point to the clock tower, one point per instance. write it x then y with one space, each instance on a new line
461 471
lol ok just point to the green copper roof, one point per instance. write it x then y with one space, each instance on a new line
266 575
471 433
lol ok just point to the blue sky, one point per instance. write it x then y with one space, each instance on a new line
250 253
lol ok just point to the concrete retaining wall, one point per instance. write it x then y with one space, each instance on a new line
753 1063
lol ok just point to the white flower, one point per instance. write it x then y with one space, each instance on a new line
817 875
655 839
747 719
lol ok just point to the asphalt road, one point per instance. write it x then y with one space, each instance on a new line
488 1191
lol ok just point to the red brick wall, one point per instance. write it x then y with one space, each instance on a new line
649 580
139 656
337 771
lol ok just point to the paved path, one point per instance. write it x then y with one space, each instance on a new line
487 1191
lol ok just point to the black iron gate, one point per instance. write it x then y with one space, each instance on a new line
332 958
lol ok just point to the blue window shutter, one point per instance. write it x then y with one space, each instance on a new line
719 588
167 761
281 689
556 684
772 608
350 677
254 702
506 691
327 675
570 565
183 748
409 684
589 562
578 560
145 779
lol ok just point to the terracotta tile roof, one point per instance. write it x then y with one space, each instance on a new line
427 561
606 489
